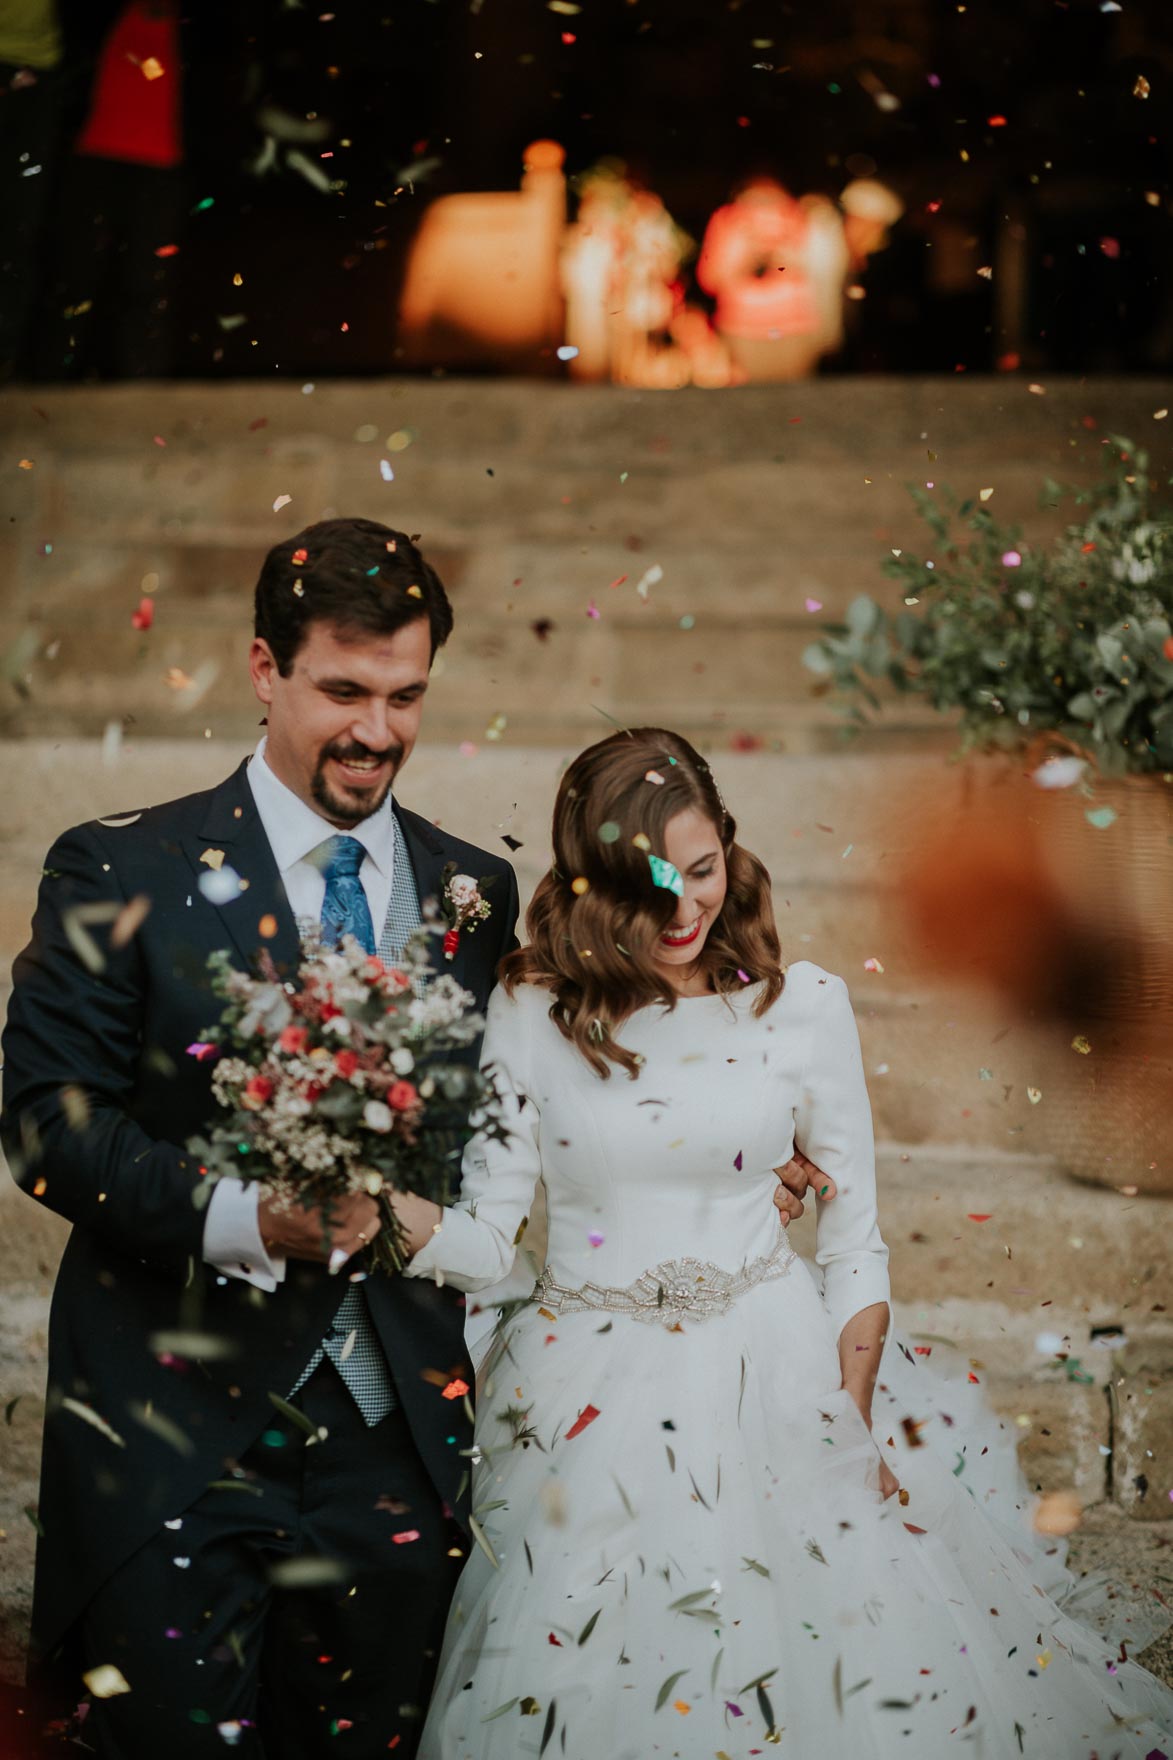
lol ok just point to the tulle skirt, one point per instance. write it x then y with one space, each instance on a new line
682 1550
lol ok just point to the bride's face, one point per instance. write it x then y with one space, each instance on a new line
693 847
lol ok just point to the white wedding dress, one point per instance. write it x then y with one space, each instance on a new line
684 1550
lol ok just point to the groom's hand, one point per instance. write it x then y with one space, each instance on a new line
304 1234
796 1179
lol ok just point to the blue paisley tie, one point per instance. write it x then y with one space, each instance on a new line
345 910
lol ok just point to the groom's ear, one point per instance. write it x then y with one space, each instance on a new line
263 670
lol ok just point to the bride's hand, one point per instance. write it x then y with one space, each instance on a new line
798 1177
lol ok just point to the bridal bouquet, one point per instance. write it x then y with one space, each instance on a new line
342 1082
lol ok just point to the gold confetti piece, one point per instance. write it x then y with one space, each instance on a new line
641 841
75 1103
1037 390
129 920
1034 1095
681 1705
414 592
1058 1512
213 858
1043 1658
1081 1044
580 885
1160 414
41 1187
26 464
267 927
176 679
985 494
1142 88
151 68
106 1681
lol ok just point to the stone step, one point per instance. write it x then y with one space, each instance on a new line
532 499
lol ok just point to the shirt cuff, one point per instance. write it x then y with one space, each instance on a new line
232 1236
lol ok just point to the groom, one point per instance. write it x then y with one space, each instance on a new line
254 1495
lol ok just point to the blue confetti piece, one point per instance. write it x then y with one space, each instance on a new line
665 875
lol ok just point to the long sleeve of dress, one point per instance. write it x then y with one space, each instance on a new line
833 1127
477 1239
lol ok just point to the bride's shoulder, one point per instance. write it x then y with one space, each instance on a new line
808 986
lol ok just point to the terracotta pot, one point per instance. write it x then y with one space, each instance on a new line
1070 920
1114 1124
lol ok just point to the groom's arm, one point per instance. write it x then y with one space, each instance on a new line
72 1053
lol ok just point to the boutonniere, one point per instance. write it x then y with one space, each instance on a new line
463 904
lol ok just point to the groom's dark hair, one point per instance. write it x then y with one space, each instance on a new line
354 574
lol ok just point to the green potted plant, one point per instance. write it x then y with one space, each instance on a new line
1073 638
1061 647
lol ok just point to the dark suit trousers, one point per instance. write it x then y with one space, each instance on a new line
223 1655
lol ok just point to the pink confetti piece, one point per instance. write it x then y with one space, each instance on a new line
595 1238
405 1537
814 604
592 610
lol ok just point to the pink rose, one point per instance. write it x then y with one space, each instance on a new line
401 1096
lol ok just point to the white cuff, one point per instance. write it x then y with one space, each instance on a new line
232 1236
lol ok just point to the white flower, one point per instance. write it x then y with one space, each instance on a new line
339 1024
377 1117
463 890
402 1062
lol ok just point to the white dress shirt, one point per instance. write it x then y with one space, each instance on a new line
232 1236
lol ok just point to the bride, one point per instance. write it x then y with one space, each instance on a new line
690 1541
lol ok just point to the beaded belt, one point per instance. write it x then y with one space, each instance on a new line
679 1289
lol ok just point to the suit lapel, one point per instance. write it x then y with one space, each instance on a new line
232 836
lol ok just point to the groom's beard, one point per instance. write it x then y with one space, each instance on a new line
356 802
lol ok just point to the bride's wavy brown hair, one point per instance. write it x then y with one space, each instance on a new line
597 915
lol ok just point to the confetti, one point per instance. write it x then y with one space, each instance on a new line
267 927
106 1681
873 965
144 617
654 776
567 352
1059 772
580 885
221 885
1081 1044
1141 88
648 580
665 875
585 1417
595 1238
281 501
813 604
405 1537
456 1389
1101 817
1034 1095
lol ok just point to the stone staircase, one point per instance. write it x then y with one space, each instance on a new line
532 500
538 502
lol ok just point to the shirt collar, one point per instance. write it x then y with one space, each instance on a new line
295 830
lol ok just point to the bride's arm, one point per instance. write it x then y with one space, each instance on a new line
472 1245
833 1122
